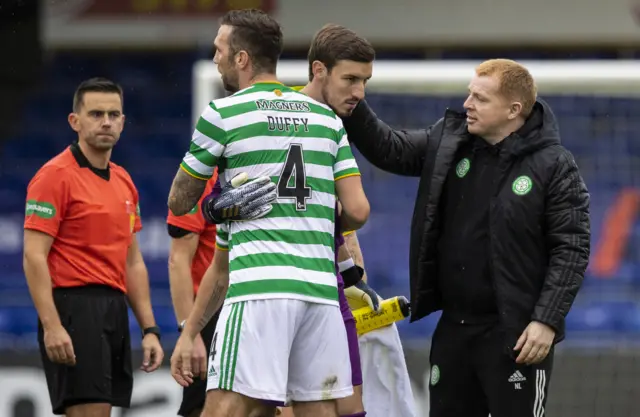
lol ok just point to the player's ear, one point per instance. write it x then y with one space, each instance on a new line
242 59
515 109
74 121
319 69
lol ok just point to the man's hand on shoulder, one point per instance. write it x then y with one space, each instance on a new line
239 200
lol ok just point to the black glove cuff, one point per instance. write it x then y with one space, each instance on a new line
211 215
351 276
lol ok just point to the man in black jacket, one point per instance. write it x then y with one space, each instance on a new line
499 240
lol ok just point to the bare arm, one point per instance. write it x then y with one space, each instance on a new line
211 294
181 255
185 192
355 205
352 246
138 286
34 261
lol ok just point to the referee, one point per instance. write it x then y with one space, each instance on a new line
82 262
193 243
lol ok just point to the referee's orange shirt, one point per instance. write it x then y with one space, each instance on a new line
194 222
92 218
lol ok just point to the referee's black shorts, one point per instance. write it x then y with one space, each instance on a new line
97 321
194 395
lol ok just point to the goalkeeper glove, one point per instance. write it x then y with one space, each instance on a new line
361 293
239 200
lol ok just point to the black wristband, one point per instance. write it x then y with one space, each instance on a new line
351 276
151 330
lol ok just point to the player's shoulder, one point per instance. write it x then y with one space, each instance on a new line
325 115
122 174
295 93
57 168
246 95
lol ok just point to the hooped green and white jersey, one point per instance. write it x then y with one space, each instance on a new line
269 129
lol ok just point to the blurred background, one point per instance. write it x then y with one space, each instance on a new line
150 47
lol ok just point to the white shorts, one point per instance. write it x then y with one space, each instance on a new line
281 350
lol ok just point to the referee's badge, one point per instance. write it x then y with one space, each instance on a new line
131 211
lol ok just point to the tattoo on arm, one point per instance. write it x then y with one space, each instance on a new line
352 243
185 193
217 296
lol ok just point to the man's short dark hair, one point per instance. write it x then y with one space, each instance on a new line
333 43
257 33
94 85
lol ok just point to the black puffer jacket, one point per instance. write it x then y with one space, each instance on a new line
539 215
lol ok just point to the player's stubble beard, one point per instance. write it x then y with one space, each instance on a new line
230 84
326 98
230 78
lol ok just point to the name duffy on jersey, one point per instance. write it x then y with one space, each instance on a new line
287 124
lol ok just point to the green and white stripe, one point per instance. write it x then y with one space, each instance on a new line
222 236
345 163
229 352
289 253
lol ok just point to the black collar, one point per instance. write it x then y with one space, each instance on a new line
83 162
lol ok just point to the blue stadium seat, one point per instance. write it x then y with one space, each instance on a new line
165 318
18 320
630 321
604 316
5 321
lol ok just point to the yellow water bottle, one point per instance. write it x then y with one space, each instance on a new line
391 310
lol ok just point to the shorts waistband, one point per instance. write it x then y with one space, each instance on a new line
89 290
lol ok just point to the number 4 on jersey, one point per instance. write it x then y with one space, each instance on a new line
294 169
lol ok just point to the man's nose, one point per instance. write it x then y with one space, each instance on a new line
358 92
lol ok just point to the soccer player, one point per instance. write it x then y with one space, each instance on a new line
340 64
192 248
381 355
343 64
82 263
280 335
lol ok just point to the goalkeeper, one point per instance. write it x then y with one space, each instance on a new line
239 201
387 391
378 353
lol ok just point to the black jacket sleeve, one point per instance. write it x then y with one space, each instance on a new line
400 152
568 241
